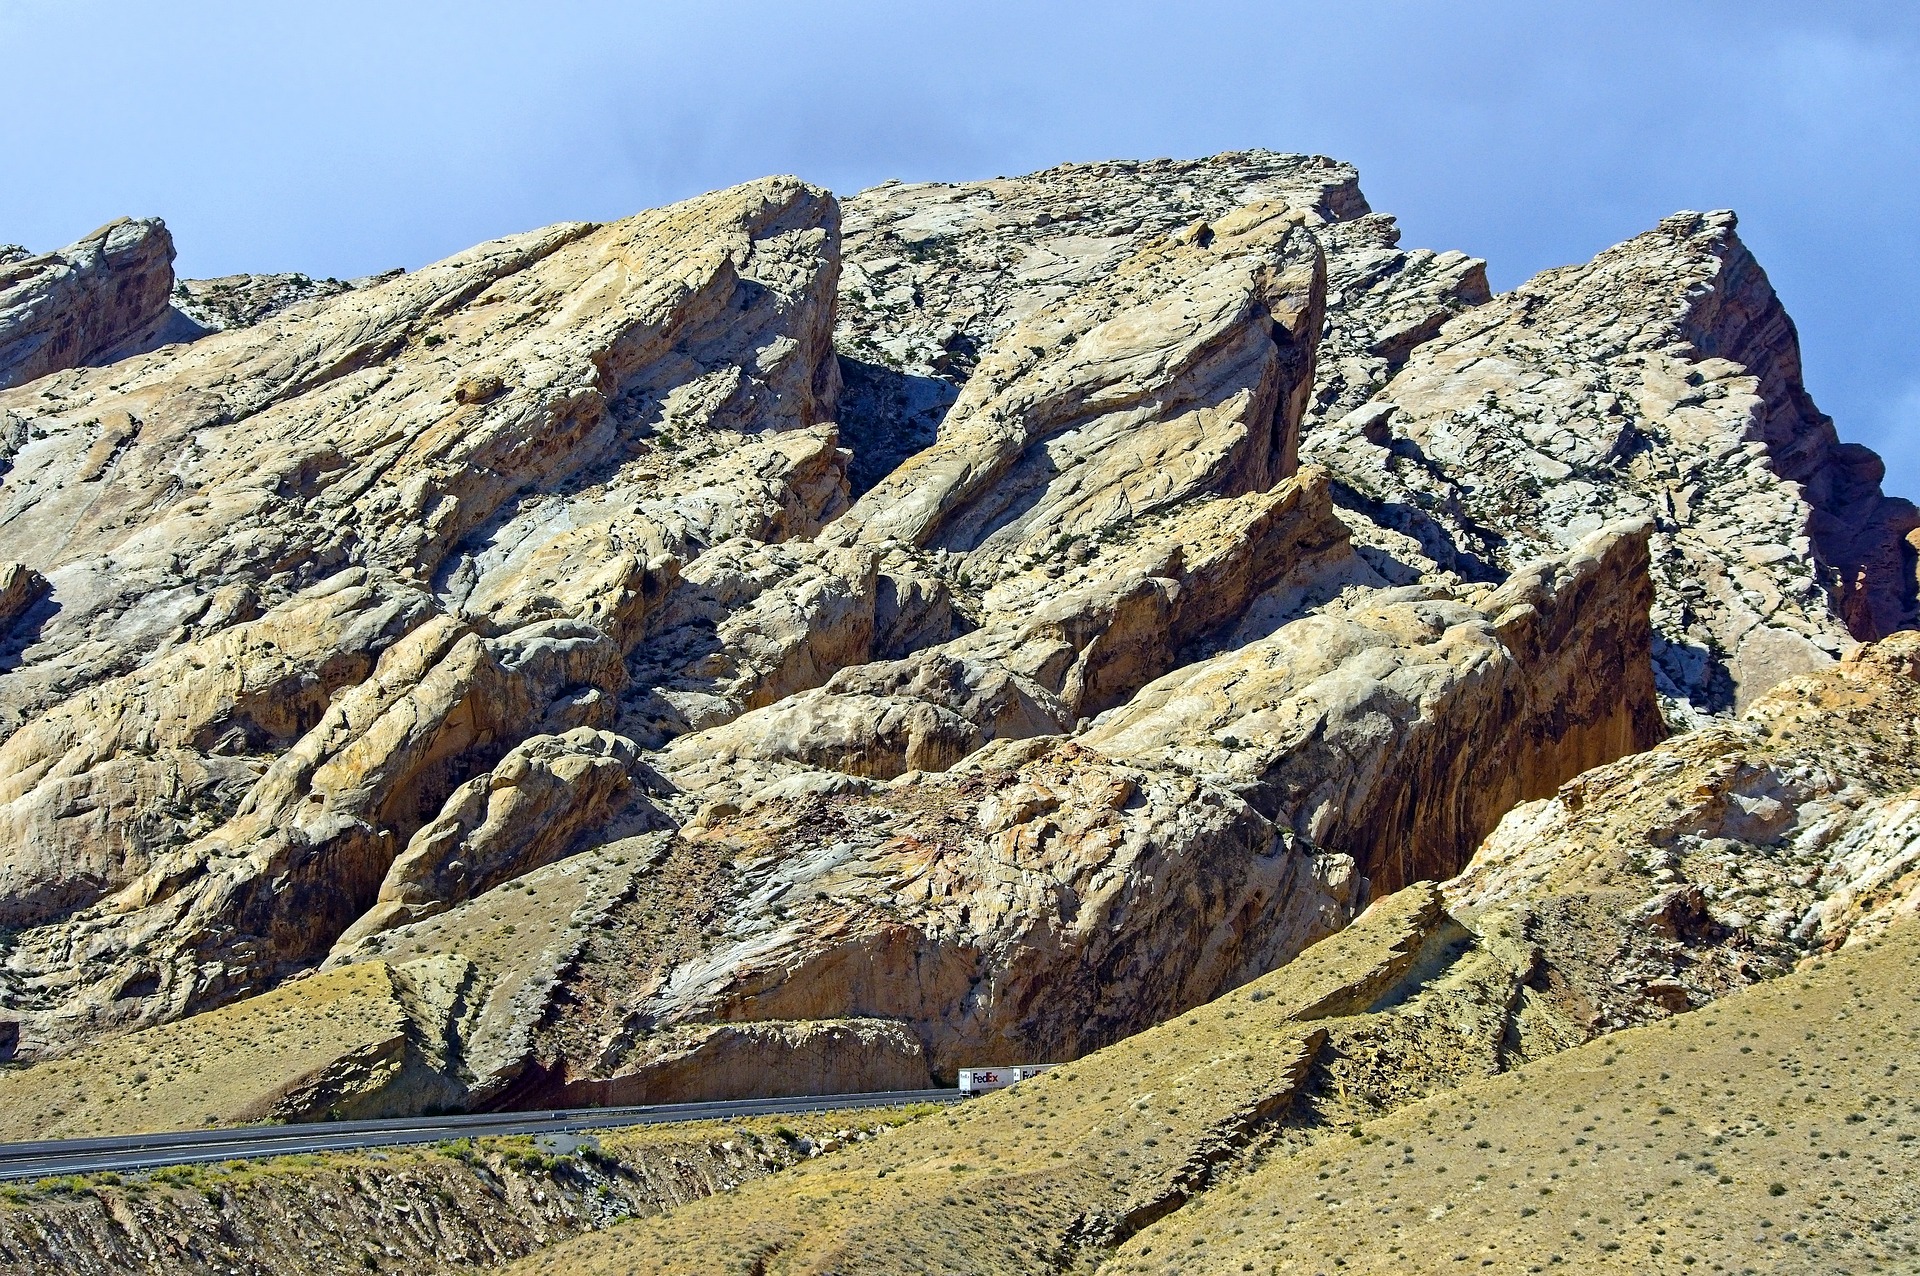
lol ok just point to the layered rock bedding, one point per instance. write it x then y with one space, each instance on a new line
779 644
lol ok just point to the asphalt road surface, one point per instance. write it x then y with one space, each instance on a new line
148 1151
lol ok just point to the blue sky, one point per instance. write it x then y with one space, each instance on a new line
350 137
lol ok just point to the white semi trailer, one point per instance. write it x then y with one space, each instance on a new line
981 1080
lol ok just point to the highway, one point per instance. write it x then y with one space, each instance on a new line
149 1151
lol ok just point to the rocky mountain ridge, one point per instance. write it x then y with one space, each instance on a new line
1662 380
773 637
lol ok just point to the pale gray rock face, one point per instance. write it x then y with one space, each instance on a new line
751 624
94 301
1183 372
1220 819
1053 646
309 577
529 810
937 272
1660 380
1397 725
1382 302
691 646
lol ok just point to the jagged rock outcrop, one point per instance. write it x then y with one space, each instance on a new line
1048 895
1399 726
467 402
380 541
1065 1164
750 625
97 789
1619 390
239 301
1668 878
21 588
1660 380
96 300
1382 302
1184 371
938 272
1053 644
689 647
547 794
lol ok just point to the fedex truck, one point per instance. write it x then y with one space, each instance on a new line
981 1080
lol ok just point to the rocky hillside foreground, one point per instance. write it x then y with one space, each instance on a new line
1341 1114
777 644
1425 1087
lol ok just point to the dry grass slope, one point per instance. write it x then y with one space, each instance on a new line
227 1066
1774 1131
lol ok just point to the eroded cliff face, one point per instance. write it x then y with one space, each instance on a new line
1047 896
94 301
1396 726
307 578
938 272
697 648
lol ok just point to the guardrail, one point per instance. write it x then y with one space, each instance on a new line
48 1157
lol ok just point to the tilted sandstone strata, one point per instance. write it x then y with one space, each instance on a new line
1448 1030
1661 380
1184 370
593 636
1058 1168
1383 302
1397 726
1053 644
381 542
937 272
1050 894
